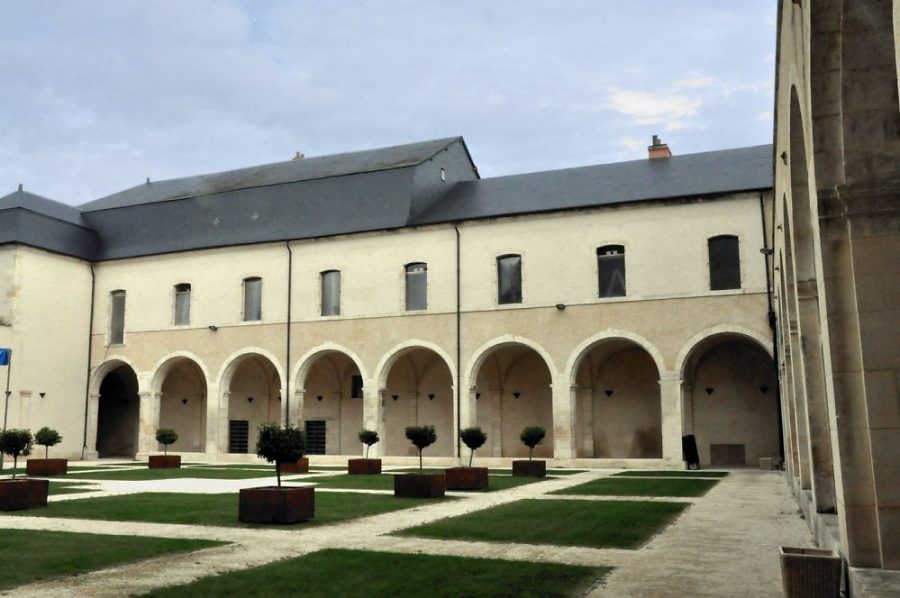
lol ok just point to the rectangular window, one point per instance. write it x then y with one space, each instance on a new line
182 304
331 293
509 279
724 263
356 386
252 299
238 436
117 318
611 270
416 286
315 437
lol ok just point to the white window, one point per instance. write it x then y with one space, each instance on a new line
182 304
331 292
117 318
416 286
252 299
509 279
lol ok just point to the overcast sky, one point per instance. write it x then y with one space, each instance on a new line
98 95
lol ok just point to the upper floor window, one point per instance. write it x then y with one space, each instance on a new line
416 286
182 304
331 292
724 263
117 318
509 279
611 270
252 299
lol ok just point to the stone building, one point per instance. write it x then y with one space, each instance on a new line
619 306
837 275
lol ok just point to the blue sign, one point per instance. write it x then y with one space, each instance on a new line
4 356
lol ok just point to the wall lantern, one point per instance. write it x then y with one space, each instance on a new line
43 394
249 399
560 306
516 394
184 401
709 390
608 392
477 395
213 327
395 397
764 389
319 398
431 397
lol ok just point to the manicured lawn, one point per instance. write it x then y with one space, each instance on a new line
167 474
598 524
57 488
642 487
214 509
672 474
388 575
491 471
550 472
385 481
29 556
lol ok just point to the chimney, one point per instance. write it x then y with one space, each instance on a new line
659 149
298 156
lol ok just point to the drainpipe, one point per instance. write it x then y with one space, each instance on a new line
458 348
87 384
773 320
287 367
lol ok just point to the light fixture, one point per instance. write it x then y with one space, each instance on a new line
766 251
43 394
608 392
516 394
784 155
764 388
319 398
395 397
249 399
477 395
279 397
560 306
213 327
431 397
184 401
709 390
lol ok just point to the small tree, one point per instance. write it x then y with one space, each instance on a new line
47 437
421 436
280 445
531 437
368 438
15 443
166 436
472 438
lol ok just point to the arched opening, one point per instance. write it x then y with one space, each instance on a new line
732 407
333 404
254 398
618 409
118 414
418 392
182 404
513 391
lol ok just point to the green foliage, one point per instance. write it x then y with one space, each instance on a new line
47 437
473 438
368 438
280 445
421 437
531 437
16 443
166 436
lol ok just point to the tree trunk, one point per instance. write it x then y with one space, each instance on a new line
471 456
278 472
420 460
46 451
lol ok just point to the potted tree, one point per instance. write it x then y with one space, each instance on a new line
301 463
278 504
469 478
47 437
365 465
165 436
531 437
17 494
420 485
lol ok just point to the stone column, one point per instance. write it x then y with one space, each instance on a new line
800 413
213 416
222 422
148 423
295 410
90 452
373 415
672 418
564 397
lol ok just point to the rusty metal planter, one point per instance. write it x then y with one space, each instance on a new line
46 467
364 466
420 485
536 468
467 478
273 504
164 461
16 495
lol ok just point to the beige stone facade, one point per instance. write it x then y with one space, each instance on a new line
837 272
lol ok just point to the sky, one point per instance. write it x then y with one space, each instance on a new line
98 95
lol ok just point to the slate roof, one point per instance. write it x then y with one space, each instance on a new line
42 205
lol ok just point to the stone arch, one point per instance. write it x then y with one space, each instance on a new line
109 364
115 403
417 383
301 370
700 337
251 383
482 352
226 372
618 399
180 382
611 334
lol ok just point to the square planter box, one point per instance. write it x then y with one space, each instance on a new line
420 485
301 466
467 478
810 573
364 466
45 467
16 495
276 505
535 468
165 461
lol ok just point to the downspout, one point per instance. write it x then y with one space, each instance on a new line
87 384
287 367
773 319
458 348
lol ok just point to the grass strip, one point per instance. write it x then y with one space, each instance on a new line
168 474
550 472
214 509
57 488
672 474
596 524
387 575
29 556
641 487
385 481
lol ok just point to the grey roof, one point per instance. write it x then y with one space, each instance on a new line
33 220
689 175
41 205
277 173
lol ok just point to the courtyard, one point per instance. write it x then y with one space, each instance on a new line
117 528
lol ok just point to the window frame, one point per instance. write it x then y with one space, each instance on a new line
598 256
423 274
499 272
244 315
112 314
738 266
322 278
179 290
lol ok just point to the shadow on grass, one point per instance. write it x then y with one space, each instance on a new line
612 486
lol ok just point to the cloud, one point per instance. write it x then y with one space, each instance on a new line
651 108
695 83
